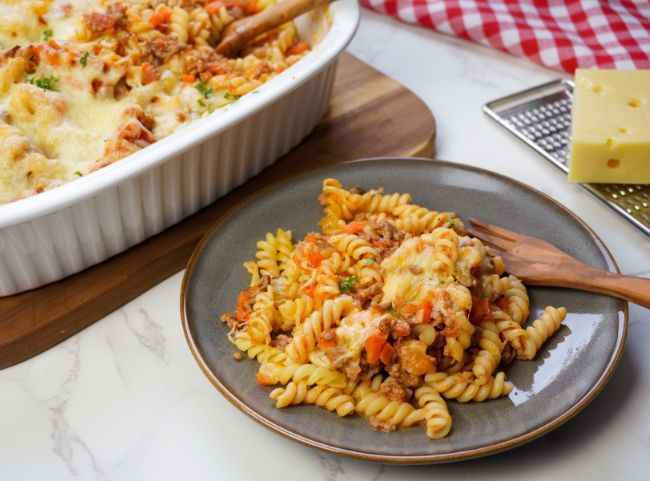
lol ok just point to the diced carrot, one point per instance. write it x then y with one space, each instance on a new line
318 301
314 258
213 7
354 227
53 57
325 342
374 345
149 73
451 331
281 68
426 311
298 48
308 289
409 309
386 353
479 311
161 16
402 330
188 78
242 301
243 298
502 302
263 379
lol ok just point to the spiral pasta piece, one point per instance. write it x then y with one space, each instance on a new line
354 246
295 311
277 374
489 357
438 419
267 256
417 220
463 388
516 297
509 330
305 336
374 201
261 352
540 330
386 414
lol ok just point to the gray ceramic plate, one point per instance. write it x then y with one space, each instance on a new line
569 371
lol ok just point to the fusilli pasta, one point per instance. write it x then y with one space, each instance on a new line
388 312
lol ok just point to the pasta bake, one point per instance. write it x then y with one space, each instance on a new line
389 311
86 83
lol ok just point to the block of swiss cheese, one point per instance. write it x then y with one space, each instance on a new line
610 127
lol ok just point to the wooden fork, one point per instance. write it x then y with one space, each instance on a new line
537 262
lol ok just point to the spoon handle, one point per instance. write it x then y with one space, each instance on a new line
242 31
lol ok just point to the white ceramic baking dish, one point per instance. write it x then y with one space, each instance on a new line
51 235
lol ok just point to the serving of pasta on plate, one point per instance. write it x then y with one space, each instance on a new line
390 311
84 83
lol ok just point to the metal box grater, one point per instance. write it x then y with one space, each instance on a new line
541 117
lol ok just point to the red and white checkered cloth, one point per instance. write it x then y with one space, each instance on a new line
562 35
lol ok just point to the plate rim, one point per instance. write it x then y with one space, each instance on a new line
458 455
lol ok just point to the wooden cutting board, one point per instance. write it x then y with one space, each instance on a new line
370 115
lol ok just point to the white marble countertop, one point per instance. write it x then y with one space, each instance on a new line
124 399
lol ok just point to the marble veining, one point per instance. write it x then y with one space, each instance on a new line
124 400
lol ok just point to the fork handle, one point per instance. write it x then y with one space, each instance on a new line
628 288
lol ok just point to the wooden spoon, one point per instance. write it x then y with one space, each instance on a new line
239 33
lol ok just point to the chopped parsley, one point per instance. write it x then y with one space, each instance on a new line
256 91
83 60
452 222
227 95
78 174
393 311
369 261
47 34
348 284
202 87
46 83
201 102
454 276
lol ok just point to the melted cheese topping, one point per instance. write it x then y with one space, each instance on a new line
88 82
354 330
409 273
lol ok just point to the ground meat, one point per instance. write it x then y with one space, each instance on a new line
368 295
335 354
161 49
237 356
200 60
230 320
380 425
114 18
281 341
352 369
393 390
415 269
402 376
399 328
508 355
